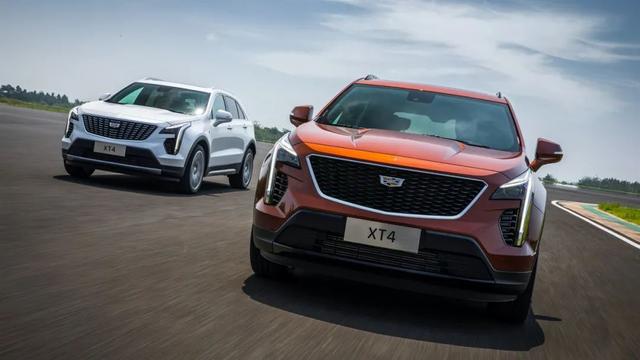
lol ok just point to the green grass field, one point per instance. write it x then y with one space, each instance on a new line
32 105
629 214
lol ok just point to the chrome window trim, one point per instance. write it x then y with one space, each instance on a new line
416 216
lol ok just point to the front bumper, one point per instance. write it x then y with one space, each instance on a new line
447 264
138 160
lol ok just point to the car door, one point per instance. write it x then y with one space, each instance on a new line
224 141
247 127
236 127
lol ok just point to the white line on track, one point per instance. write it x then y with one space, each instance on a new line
610 232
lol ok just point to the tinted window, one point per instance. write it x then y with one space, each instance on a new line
218 104
231 107
170 98
240 111
131 97
474 122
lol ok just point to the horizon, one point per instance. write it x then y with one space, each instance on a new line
571 70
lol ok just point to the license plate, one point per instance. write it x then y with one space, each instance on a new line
383 235
111 149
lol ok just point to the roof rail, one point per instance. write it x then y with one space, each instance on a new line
499 95
152 78
371 77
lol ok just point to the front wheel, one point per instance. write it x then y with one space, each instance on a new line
193 172
516 311
243 179
263 267
79 172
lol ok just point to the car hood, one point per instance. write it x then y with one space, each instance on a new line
137 113
426 149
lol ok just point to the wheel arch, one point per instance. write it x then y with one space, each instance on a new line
201 140
252 147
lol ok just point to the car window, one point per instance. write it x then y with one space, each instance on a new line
175 99
131 97
231 107
471 121
218 104
240 111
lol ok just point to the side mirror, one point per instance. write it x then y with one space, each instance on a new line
547 152
104 96
222 117
301 114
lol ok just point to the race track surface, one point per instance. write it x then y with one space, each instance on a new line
124 267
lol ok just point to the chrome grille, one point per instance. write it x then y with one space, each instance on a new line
421 194
117 129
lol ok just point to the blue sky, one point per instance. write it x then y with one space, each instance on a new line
571 68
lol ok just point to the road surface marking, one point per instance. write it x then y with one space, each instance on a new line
610 232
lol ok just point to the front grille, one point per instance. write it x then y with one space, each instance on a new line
117 129
279 187
509 225
427 260
69 130
421 193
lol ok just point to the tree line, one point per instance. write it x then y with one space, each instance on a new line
38 97
610 184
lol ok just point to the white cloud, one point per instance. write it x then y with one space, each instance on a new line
474 46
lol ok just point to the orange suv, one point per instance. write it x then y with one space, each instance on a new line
405 185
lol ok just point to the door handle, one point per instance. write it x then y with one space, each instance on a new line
229 127
245 126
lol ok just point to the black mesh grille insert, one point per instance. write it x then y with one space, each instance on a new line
509 225
420 193
432 261
117 129
280 186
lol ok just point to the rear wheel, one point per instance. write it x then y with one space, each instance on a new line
263 267
516 311
79 172
243 179
193 172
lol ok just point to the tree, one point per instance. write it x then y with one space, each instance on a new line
549 179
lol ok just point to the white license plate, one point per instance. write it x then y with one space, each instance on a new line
111 149
384 235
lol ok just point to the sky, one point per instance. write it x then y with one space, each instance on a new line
570 68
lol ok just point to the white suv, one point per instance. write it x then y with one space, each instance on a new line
160 128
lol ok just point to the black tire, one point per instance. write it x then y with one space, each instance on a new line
194 171
516 311
263 267
243 179
79 172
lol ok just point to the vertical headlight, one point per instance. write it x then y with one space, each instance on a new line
173 142
73 116
284 153
520 188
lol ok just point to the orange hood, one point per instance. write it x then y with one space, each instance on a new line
402 149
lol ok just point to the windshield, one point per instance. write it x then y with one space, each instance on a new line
183 101
473 122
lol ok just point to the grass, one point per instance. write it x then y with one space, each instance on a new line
32 105
631 215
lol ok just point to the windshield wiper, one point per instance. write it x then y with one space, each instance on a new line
460 141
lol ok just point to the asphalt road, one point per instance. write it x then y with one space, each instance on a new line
124 267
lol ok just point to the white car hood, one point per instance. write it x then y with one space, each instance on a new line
143 114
